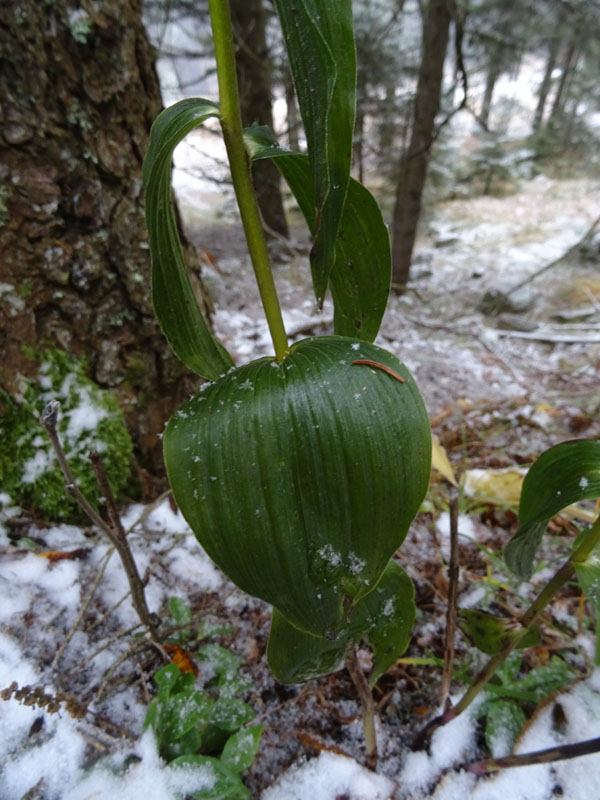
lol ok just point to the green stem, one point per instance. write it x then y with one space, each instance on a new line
231 124
367 702
560 578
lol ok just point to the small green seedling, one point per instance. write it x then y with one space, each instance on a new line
206 727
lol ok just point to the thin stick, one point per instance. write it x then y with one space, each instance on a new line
367 702
84 606
114 531
452 595
551 754
558 260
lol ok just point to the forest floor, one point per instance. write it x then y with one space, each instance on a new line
501 386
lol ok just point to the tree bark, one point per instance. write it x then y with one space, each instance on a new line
254 81
413 167
546 83
78 93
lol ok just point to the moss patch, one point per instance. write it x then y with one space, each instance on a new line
89 419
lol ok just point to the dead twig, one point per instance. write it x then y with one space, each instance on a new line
551 754
452 595
84 606
588 234
114 531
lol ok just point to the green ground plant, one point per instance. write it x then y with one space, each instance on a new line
90 421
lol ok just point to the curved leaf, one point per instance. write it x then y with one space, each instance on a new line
492 634
319 40
301 478
175 303
564 474
361 273
384 618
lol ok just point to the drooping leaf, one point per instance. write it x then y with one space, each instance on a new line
388 613
319 40
441 462
492 634
588 575
175 303
566 473
361 273
384 618
301 478
296 656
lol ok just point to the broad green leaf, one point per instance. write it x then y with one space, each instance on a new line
361 272
240 749
295 656
492 634
319 39
564 474
504 721
301 478
175 303
384 618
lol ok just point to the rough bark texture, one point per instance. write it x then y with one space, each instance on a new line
254 80
78 93
413 168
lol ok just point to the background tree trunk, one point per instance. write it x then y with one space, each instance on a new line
78 93
254 80
546 83
413 167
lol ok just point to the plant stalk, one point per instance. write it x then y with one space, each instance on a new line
368 704
231 124
560 578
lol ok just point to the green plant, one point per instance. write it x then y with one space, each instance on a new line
509 695
90 420
301 473
206 728
567 473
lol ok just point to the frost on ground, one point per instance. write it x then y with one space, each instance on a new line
496 402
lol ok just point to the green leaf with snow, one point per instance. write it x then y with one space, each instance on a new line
175 302
301 478
504 721
220 781
384 618
241 748
566 473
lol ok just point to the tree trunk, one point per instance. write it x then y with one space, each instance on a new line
78 93
546 83
413 167
254 80
492 76
568 65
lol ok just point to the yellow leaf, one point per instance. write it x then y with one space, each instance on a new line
440 461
